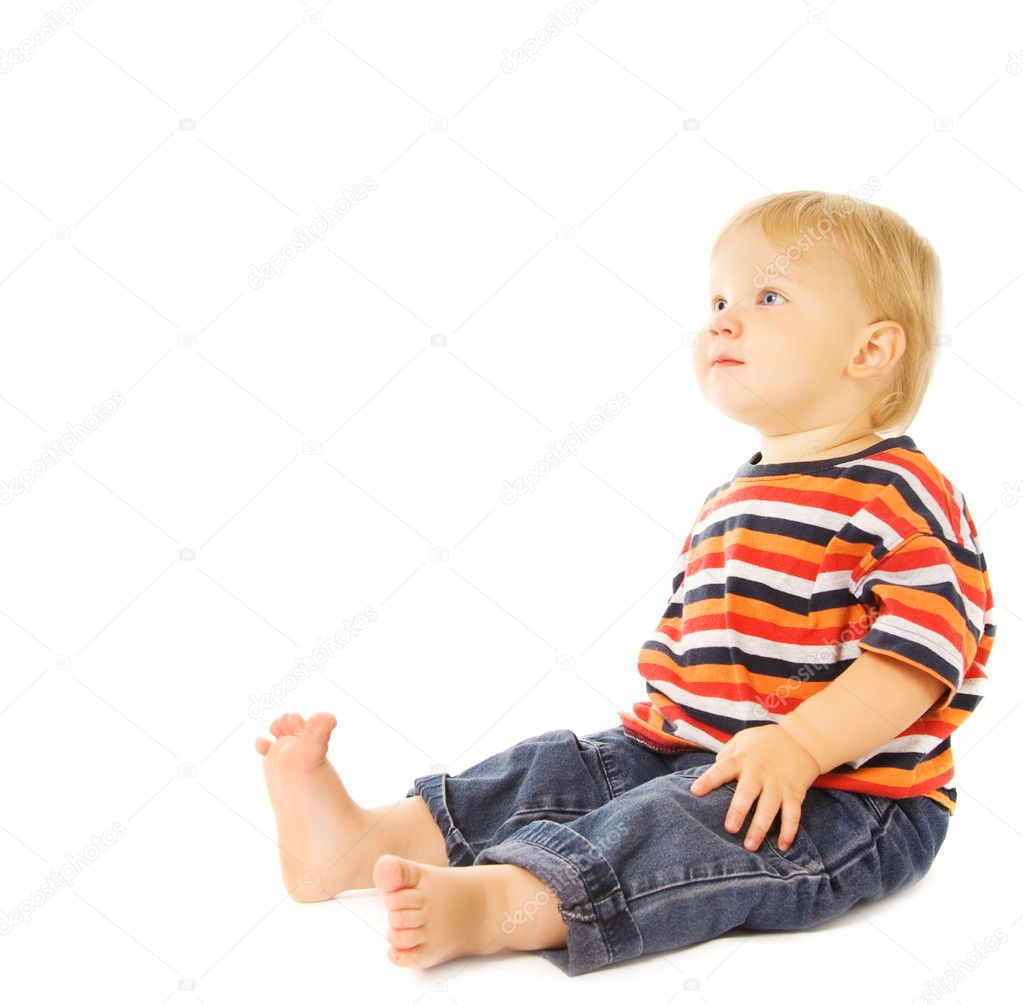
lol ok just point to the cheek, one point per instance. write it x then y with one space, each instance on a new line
783 351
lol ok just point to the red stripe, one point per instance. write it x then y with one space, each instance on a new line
761 629
850 783
891 605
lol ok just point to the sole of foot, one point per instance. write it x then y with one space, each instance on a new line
328 843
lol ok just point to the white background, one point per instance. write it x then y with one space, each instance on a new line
336 441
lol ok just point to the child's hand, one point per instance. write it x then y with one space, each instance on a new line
770 764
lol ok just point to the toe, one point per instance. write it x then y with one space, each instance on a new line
319 727
275 728
409 958
400 958
405 938
292 722
262 745
391 872
404 900
406 919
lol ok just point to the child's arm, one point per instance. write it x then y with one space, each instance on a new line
872 701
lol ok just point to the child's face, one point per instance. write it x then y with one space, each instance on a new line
794 333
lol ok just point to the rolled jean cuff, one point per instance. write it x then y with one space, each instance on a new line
600 926
431 789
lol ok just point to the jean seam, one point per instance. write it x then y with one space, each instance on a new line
861 850
543 813
436 795
584 916
874 806
801 870
603 766
595 884
727 878
923 834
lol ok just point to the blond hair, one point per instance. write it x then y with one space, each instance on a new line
896 269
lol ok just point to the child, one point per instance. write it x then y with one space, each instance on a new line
828 628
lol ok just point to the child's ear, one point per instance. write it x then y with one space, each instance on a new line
882 349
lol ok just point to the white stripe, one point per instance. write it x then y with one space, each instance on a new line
734 568
974 686
837 579
929 575
964 524
916 743
936 511
744 711
910 631
754 646
814 516
685 731
874 526
797 586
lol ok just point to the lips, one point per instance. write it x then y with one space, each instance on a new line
724 361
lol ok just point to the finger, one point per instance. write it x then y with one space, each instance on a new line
767 810
712 778
790 814
745 793
704 783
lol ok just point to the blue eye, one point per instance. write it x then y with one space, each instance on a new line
718 300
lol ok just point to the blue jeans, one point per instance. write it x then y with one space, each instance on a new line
641 865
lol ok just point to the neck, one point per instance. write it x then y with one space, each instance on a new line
814 445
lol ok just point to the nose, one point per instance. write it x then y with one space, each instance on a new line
723 326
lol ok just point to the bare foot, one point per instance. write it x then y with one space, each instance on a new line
437 914
328 843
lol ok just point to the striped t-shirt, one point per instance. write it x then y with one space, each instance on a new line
788 573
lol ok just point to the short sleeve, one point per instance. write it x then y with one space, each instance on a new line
921 610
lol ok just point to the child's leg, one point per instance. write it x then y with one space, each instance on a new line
435 915
555 776
327 842
655 869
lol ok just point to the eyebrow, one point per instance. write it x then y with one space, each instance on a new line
781 280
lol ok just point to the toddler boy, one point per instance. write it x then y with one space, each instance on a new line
828 628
